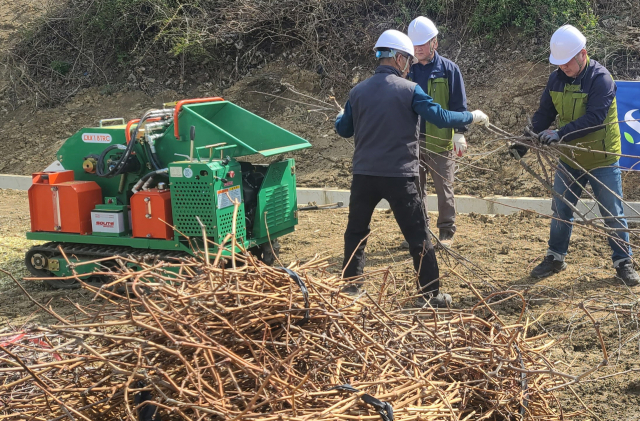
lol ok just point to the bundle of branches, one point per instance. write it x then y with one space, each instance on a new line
192 340
543 167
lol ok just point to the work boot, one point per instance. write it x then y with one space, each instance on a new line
353 289
627 273
548 267
446 238
441 300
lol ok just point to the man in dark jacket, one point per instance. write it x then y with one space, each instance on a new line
581 94
383 113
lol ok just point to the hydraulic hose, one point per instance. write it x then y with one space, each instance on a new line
153 158
119 166
138 185
100 171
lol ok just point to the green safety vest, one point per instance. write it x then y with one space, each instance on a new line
438 140
571 105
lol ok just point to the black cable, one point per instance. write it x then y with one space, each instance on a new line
524 405
150 157
385 410
119 166
100 165
156 160
303 288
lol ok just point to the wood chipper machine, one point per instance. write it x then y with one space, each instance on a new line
145 189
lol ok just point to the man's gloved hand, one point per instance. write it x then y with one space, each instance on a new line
517 151
459 144
480 118
547 137
339 116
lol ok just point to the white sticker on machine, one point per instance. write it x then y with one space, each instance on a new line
96 138
226 197
175 172
109 222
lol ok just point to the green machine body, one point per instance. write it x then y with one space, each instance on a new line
187 161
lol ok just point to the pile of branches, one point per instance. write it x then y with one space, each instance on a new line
191 340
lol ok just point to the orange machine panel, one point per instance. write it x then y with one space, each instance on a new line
149 208
57 203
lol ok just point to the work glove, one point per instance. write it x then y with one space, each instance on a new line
459 144
517 151
480 118
548 137
339 116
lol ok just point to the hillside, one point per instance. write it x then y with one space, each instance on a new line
505 69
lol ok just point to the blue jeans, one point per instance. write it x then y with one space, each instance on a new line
569 183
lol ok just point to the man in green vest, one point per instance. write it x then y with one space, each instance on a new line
581 98
441 79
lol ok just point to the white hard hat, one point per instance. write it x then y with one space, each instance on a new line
395 40
422 30
565 43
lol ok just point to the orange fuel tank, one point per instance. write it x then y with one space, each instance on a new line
149 208
58 203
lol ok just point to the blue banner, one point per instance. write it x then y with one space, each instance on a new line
628 100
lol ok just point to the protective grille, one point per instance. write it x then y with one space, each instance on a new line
225 223
191 199
277 206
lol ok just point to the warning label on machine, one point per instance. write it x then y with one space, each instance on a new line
226 197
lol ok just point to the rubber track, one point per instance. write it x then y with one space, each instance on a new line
92 251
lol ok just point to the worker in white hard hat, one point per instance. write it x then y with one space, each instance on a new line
383 114
580 98
442 80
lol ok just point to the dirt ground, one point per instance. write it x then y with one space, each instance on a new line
500 251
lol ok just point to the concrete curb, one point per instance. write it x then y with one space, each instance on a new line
492 205
15 182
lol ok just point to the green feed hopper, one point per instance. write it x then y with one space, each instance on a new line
225 122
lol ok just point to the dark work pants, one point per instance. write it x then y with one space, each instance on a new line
406 204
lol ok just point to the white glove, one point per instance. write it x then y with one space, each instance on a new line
480 118
459 144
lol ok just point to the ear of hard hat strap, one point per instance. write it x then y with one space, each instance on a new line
406 65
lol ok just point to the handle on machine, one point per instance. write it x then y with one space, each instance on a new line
179 105
192 138
217 147
111 120
127 131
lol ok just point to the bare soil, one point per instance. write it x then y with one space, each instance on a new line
500 250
